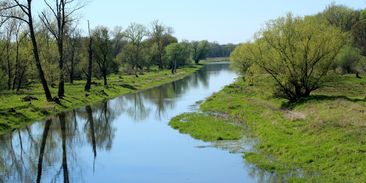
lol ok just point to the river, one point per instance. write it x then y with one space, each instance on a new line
126 139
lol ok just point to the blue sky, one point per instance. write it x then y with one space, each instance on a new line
224 21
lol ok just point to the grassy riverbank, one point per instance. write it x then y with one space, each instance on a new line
15 113
216 59
320 139
206 127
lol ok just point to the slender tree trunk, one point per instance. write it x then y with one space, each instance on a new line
20 80
61 85
90 62
105 77
42 150
36 56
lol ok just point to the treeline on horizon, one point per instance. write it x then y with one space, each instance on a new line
300 53
49 48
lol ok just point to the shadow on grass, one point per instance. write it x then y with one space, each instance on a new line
312 98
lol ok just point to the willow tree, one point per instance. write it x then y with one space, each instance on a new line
199 50
296 52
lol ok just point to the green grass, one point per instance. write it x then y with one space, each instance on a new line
216 59
206 127
28 112
320 139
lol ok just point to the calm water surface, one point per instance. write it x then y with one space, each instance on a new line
126 139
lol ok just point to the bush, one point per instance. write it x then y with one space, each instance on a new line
296 52
349 60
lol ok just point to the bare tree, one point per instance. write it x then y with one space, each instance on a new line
7 10
62 17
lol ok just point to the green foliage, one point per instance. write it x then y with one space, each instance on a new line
317 140
25 113
296 52
241 58
215 50
178 53
340 16
103 52
132 54
349 60
206 127
359 35
199 50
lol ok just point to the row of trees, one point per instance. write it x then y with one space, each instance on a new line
299 52
51 48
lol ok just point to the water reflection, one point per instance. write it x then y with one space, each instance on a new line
78 145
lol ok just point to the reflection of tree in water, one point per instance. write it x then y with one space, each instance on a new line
52 146
104 132
139 106
14 162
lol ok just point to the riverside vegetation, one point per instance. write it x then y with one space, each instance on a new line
303 98
16 112
48 64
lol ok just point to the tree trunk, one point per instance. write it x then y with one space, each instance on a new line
174 67
105 77
20 80
90 63
61 85
196 61
36 56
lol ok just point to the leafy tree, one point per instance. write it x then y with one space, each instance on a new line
9 9
103 51
349 60
296 52
359 35
160 37
241 60
217 50
199 50
340 16
177 55
132 53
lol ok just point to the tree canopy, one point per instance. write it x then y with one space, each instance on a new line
296 52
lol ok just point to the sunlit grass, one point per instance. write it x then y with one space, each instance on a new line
319 139
206 127
23 113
